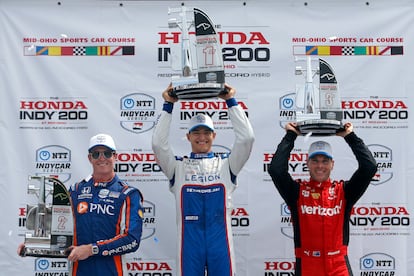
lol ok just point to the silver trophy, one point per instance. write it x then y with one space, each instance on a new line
199 61
50 221
319 110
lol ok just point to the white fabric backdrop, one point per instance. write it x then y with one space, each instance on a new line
52 102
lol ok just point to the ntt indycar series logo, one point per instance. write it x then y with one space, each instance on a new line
384 158
149 220
380 264
137 112
49 266
287 107
286 221
53 113
54 161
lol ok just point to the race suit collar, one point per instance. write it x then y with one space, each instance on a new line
106 184
202 155
316 184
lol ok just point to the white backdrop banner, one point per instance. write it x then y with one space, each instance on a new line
71 69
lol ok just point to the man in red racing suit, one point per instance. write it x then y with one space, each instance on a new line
320 208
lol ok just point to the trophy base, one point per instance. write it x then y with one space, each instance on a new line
196 91
319 127
43 247
44 252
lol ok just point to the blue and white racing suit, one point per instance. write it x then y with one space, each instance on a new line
203 185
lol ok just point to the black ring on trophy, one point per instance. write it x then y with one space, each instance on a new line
198 91
320 127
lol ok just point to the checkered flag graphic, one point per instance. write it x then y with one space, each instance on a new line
79 51
348 51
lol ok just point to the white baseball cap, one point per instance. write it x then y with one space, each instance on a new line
200 120
320 148
102 140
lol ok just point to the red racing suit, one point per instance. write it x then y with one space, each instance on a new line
320 212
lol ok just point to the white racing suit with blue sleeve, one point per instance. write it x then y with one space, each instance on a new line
203 186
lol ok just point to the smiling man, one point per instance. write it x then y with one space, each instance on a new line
203 184
320 207
107 215
201 133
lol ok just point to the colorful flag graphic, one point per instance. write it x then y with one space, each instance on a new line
78 50
325 50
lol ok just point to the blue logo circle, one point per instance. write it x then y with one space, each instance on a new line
368 263
287 103
42 264
128 103
44 155
286 210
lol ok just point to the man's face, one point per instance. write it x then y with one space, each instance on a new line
320 167
102 160
201 139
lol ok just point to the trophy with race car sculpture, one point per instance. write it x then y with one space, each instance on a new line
199 62
50 221
319 110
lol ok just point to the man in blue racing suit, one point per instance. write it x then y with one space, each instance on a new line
107 215
202 184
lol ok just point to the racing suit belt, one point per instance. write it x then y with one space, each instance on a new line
316 253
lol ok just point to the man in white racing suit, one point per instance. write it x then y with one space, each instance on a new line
203 184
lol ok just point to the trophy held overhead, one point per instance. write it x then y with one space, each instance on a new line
319 110
199 61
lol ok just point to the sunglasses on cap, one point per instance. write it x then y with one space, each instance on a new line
107 154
